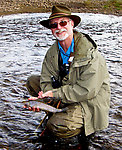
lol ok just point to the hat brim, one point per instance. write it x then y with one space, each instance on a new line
75 18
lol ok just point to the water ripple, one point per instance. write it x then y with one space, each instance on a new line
23 44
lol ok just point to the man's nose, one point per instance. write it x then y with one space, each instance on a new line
59 26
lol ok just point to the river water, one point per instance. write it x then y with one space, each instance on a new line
23 44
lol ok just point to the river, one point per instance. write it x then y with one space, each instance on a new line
23 44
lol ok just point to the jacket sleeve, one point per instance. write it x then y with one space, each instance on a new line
89 82
48 69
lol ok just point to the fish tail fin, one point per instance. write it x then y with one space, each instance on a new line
64 109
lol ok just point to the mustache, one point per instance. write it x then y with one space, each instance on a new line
59 31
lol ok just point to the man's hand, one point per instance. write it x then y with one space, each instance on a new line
47 94
40 95
35 98
32 108
32 98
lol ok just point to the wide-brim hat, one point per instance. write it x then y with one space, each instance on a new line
60 11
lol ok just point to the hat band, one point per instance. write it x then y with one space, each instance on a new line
58 14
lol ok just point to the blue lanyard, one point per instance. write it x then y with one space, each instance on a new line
65 56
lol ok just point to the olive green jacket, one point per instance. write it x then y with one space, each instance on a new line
87 82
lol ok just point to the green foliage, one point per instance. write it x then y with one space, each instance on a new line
88 2
117 4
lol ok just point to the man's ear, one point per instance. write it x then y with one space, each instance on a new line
72 23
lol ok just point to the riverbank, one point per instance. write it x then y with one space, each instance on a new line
81 6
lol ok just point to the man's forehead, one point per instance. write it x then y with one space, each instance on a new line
59 19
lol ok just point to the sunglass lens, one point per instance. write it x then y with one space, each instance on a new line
63 23
54 25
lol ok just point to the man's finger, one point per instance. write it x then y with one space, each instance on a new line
40 94
32 98
29 108
37 109
33 108
24 106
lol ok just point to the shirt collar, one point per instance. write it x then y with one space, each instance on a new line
70 49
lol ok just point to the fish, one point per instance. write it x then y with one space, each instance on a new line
44 107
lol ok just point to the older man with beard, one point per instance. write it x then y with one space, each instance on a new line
80 78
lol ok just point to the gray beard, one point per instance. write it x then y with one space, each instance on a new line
62 38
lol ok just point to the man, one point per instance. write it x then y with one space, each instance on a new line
80 78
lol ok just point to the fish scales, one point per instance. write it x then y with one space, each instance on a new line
44 107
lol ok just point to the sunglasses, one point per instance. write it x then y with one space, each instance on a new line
55 25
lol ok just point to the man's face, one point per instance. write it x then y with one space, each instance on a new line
61 28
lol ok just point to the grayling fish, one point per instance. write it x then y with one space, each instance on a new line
43 106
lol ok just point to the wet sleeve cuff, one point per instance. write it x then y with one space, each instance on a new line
55 93
58 94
